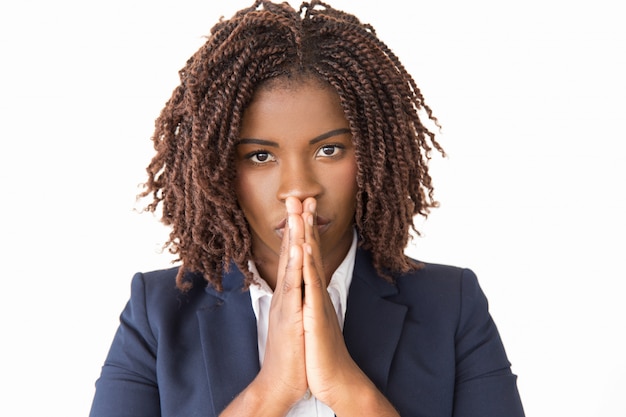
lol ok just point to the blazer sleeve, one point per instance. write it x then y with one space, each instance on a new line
127 385
484 385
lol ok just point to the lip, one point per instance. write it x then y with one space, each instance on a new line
280 227
321 223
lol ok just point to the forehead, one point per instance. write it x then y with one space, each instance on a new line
287 109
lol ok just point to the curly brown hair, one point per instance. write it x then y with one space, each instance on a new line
192 175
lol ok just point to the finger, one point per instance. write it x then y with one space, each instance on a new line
291 285
292 206
284 252
316 298
311 235
296 224
309 205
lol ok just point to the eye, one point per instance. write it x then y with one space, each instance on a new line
260 157
329 150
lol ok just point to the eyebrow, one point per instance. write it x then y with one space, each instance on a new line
334 132
329 135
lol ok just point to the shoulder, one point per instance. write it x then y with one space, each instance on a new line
155 294
437 278
442 289
427 279
437 290
158 288
159 284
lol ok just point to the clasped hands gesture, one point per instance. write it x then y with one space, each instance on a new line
305 348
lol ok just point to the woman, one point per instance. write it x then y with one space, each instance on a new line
290 163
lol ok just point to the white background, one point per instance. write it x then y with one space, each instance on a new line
531 98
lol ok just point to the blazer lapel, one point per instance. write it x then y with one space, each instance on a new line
229 340
373 324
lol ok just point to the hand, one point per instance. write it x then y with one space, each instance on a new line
305 345
284 363
328 364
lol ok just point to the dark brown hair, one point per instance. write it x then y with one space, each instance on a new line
192 175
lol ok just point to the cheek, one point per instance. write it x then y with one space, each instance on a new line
349 175
253 193
244 192
240 189
344 184
352 188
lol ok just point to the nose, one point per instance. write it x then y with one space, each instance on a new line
298 179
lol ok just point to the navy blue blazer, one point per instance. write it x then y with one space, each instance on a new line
428 343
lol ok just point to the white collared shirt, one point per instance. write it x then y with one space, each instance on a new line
261 295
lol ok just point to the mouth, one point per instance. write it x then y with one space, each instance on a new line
280 228
321 223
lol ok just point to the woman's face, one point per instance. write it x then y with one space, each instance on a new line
295 141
